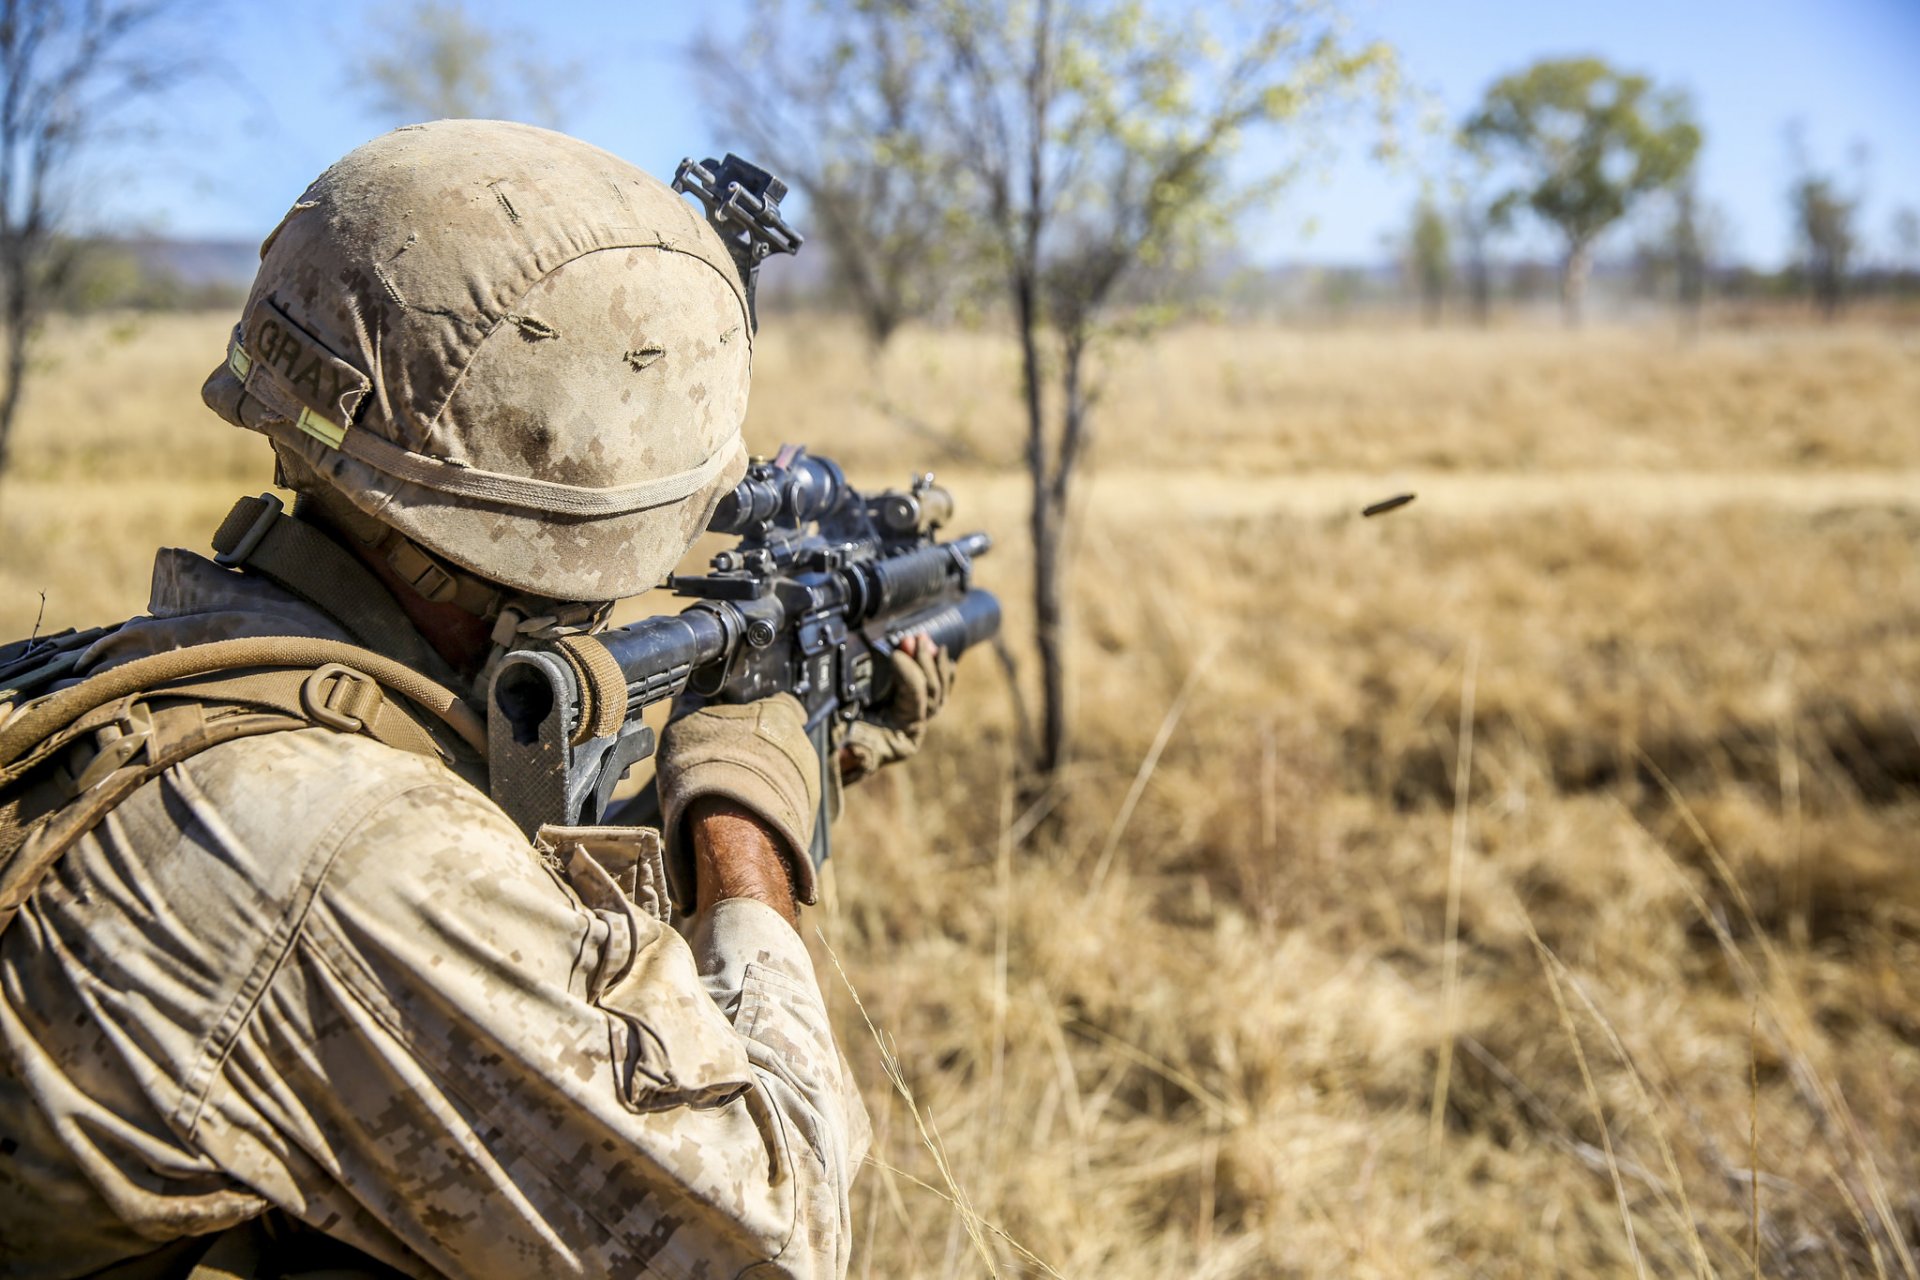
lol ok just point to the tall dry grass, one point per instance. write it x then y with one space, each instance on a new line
1521 884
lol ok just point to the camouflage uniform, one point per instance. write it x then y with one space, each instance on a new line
309 972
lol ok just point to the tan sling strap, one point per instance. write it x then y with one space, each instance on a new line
427 575
154 712
48 716
603 686
259 537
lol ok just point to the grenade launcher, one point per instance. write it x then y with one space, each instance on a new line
823 581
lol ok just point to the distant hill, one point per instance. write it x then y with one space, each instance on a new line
195 264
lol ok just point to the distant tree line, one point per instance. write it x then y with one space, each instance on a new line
1573 147
106 273
1580 147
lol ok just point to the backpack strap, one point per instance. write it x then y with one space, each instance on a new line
150 714
42 822
39 721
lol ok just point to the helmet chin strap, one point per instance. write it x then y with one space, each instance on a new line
429 576
517 618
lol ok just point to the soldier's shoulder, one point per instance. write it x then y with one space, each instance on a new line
318 782
365 832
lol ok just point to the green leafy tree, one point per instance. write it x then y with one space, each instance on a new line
1586 144
1824 218
1826 221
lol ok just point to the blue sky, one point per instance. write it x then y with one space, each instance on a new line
229 156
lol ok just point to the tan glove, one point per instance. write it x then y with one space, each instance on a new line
756 754
922 679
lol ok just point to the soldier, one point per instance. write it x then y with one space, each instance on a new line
284 989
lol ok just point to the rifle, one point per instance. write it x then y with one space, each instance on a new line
822 584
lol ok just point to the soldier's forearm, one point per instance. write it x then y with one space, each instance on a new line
737 856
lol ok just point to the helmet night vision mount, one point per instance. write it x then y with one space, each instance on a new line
742 201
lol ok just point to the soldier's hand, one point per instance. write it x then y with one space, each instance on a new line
922 678
755 755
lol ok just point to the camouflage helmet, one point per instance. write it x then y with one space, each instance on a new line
513 349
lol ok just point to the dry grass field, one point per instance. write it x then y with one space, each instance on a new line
1525 883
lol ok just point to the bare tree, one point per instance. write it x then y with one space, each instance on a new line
1094 137
433 60
1476 229
1052 152
833 100
1905 240
1673 254
71 72
1478 216
1429 253
1687 239
1825 218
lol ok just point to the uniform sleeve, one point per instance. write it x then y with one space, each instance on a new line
472 1063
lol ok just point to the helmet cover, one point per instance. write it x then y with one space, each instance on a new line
518 350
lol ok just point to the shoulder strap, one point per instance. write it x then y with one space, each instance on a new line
259 537
154 712
47 717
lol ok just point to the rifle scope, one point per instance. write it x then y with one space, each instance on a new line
806 488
